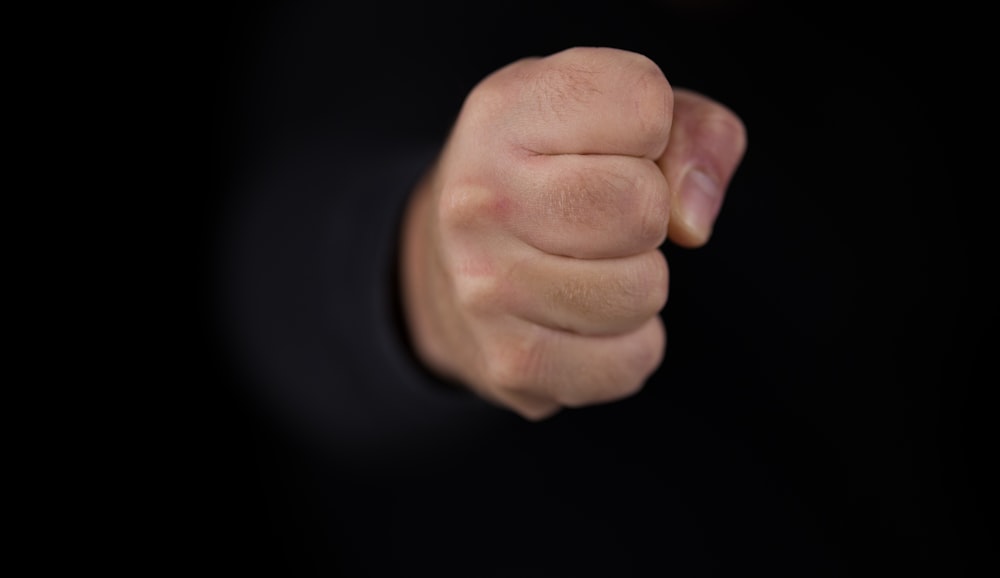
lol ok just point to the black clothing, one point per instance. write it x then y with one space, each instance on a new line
806 420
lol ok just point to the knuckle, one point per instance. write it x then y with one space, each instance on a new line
488 102
467 204
479 293
513 368
490 95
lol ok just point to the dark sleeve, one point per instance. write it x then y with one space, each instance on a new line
309 305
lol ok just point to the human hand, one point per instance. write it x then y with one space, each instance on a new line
531 271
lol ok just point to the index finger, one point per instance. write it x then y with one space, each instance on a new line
588 101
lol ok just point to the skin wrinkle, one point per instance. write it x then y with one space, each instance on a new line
589 295
561 90
612 301
592 195
591 206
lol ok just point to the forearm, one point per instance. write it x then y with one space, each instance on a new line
310 302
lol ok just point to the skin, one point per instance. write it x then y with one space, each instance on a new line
531 267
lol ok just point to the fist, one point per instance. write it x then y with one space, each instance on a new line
531 265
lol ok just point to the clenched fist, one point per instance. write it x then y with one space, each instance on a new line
531 270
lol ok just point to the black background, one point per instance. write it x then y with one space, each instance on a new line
830 346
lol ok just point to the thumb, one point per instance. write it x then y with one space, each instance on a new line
707 143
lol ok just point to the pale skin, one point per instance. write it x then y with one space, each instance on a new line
531 264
